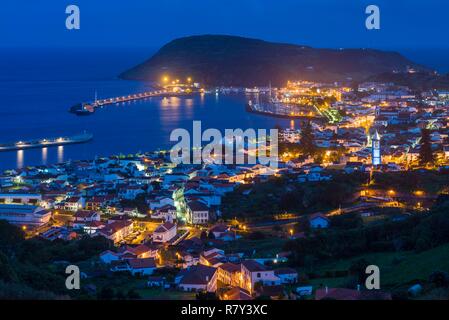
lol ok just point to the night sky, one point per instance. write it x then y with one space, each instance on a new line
148 23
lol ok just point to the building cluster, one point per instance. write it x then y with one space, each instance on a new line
380 124
99 195
148 206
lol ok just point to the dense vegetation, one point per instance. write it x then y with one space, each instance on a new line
34 268
419 81
280 195
418 232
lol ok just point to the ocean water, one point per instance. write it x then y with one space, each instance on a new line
38 87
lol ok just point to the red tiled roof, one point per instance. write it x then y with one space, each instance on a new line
115 226
164 227
197 206
253 266
230 267
198 275
142 263
84 214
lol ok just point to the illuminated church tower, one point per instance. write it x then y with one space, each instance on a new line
376 157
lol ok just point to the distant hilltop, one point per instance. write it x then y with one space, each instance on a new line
236 61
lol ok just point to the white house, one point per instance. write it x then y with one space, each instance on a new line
164 232
117 231
197 212
74 204
160 202
82 217
198 278
167 212
108 256
253 272
23 214
145 266
318 221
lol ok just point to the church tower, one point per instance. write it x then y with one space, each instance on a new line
376 156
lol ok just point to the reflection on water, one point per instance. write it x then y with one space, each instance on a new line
171 102
19 159
60 154
189 103
44 155
145 126
292 124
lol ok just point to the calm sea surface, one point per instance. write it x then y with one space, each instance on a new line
38 86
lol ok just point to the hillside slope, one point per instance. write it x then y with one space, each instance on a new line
238 61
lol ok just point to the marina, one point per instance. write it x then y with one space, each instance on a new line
46 142
279 110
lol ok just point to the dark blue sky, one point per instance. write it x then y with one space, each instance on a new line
147 23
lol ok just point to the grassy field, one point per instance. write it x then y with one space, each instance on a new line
395 268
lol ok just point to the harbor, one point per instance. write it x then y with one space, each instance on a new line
46 142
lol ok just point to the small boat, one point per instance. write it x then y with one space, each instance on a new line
82 109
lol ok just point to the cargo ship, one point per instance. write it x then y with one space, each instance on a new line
46 142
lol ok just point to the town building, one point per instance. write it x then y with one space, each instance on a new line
24 215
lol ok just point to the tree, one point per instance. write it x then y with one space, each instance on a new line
10 236
211 236
133 295
358 269
7 272
426 155
203 235
439 279
106 293
307 140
